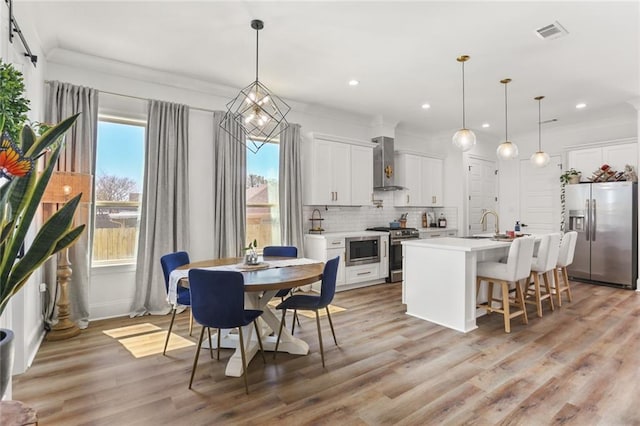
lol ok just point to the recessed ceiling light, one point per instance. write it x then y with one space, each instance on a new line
485 125
426 106
581 105
353 82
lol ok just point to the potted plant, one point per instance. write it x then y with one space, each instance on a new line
21 189
571 176
251 257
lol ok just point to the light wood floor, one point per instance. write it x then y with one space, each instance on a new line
578 365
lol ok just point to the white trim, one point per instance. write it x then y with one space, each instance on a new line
341 139
601 143
420 154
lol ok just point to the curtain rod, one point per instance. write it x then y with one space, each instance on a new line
140 98
14 27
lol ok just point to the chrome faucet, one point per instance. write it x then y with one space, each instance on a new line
483 220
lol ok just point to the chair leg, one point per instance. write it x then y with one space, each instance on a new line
244 361
293 322
558 287
166 342
331 324
195 360
210 345
296 318
190 322
547 285
566 281
320 337
505 306
490 296
218 349
275 351
520 298
536 284
255 323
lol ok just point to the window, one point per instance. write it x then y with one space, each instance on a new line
263 214
117 187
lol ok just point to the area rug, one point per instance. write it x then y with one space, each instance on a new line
144 339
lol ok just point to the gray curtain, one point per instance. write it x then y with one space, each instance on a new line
164 221
290 193
229 189
78 155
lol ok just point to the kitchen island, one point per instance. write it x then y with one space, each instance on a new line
440 278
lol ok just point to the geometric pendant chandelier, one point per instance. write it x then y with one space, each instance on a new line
540 158
464 139
506 150
256 110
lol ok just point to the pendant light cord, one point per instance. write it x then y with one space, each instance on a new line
506 136
257 35
539 128
463 105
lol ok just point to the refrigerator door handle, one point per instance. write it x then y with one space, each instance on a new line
593 220
588 219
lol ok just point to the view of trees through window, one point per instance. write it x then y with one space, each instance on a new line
117 187
263 215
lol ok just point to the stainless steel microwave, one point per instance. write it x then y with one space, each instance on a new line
362 250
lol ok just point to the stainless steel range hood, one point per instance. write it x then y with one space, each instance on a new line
383 165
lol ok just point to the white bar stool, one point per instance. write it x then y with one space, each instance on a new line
543 265
565 258
517 268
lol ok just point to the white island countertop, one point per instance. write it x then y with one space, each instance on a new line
458 244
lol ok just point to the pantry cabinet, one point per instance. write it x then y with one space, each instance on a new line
337 171
422 179
588 160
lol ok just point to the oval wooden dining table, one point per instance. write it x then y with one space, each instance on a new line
260 286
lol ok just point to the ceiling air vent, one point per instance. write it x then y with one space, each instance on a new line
551 31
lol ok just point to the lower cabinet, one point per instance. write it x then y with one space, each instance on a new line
360 273
439 234
333 252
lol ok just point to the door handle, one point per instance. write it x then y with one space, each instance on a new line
593 220
407 198
587 207
385 249
433 199
364 273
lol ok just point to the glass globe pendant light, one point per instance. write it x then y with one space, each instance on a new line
464 139
506 150
540 158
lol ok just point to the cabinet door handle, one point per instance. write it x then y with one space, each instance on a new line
336 242
433 199
407 198
364 273
385 249
336 195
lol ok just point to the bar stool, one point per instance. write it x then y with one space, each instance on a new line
565 258
517 268
543 264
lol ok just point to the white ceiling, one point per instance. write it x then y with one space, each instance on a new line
403 53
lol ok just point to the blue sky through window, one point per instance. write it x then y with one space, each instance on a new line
265 161
120 151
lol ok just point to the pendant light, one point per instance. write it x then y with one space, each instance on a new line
506 150
255 116
464 139
540 158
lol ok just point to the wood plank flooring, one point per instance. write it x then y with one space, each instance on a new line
577 365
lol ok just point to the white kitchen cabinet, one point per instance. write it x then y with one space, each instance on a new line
337 171
361 175
361 273
432 182
323 249
422 178
588 160
438 233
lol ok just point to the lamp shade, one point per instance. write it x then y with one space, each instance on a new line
540 159
65 185
507 151
464 139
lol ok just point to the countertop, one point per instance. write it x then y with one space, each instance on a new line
346 234
457 244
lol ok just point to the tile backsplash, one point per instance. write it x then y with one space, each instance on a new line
346 218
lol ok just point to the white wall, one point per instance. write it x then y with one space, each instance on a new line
24 312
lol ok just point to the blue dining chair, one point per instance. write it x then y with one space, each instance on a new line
283 251
314 303
217 300
170 262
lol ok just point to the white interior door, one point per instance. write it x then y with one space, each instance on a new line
540 196
481 182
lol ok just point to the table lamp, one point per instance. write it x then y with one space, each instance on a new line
62 187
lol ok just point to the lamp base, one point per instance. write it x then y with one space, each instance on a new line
64 329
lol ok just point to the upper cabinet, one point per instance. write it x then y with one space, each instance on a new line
422 179
337 171
588 160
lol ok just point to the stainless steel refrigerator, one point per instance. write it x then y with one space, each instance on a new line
605 215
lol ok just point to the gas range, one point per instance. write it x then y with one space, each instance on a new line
398 233
396 236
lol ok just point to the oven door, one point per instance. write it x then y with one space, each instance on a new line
362 250
395 256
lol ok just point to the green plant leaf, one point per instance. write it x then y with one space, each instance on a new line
51 136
